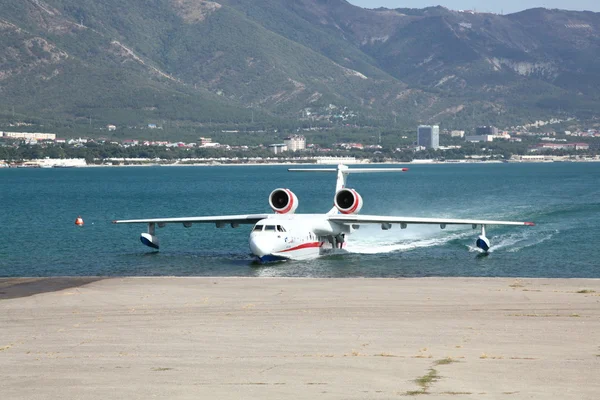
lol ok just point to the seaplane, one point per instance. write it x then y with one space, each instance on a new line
285 235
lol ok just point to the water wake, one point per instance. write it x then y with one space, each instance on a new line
377 243
532 241
517 241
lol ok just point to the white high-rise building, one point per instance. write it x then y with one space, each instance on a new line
277 148
428 136
295 143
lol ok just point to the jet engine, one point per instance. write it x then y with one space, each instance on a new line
283 201
348 201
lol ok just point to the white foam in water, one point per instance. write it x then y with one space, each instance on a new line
504 241
474 249
299 268
533 241
370 241
269 272
517 241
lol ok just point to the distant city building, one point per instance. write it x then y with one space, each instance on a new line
26 135
295 143
459 134
78 141
558 146
277 148
348 146
338 160
530 158
502 135
205 141
479 138
428 136
130 142
111 127
59 162
450 147
486 130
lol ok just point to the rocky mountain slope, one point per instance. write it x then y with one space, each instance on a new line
193 62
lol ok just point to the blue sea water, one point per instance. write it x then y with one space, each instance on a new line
38 208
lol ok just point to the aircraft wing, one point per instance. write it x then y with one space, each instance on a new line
380 219
150 240
224 219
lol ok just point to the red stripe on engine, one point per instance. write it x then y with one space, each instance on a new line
290 204
354 206
303 246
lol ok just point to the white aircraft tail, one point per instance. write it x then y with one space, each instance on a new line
342 174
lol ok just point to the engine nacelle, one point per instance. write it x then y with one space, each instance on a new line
283 201
348 201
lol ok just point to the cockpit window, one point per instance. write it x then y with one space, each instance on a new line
269 227
258 227
280 228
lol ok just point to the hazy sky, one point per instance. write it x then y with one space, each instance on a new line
506 6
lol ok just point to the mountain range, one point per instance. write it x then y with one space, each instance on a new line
190 63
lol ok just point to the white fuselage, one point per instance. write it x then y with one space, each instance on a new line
296 237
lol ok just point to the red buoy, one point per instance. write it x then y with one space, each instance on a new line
79 221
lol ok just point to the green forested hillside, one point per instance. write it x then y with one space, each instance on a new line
72 65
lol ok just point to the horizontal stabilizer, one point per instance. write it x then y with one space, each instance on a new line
349 170
342 173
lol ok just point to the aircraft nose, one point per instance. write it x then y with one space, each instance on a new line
260 246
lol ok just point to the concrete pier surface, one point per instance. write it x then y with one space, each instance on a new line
274 338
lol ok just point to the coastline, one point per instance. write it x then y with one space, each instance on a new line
58 163
290 163
270 338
